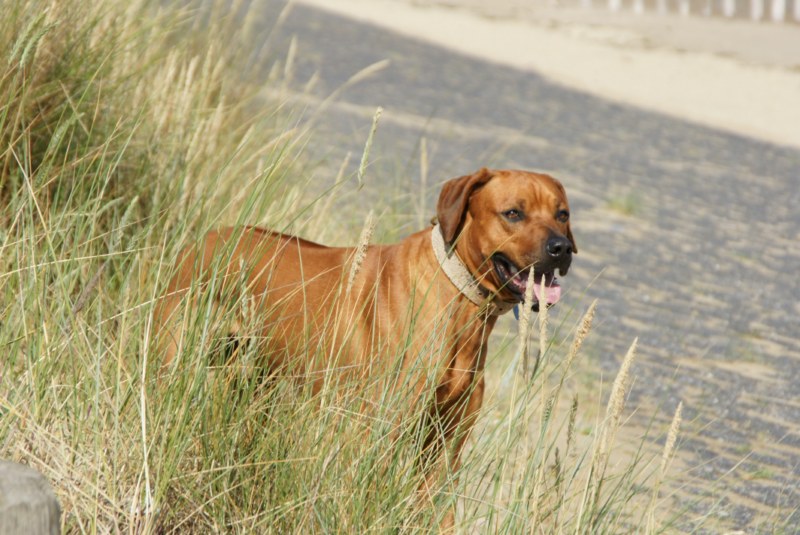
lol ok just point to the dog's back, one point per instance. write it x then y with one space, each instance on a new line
298 288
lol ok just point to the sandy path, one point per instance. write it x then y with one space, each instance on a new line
740 77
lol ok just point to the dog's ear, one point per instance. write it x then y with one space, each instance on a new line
571 239
569 229
454 200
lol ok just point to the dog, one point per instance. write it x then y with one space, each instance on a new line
431 299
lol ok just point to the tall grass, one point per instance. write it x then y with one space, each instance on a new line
127 130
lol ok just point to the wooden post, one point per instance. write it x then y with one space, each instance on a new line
729 8
27 503
778 10
756 9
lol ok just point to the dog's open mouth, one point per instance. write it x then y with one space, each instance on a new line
516 280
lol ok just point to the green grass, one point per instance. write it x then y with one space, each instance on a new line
626 204
127 131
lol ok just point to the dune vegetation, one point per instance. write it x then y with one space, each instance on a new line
126 131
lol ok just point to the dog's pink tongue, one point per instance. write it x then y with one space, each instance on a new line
552 293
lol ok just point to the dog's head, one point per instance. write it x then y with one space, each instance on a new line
502 223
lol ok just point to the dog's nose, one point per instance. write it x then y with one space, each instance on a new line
558 248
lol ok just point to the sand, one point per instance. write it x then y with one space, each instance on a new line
738 76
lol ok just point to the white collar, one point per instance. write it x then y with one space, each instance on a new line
460 276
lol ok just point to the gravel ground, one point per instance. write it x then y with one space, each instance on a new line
688 237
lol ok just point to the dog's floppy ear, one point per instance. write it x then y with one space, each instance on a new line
571 239
454 199
569 229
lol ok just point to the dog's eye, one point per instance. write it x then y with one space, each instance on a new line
513 215
562 216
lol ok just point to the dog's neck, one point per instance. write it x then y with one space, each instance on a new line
462 278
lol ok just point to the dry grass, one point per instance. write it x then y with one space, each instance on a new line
127 130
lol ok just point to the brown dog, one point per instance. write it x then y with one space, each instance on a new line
424 306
